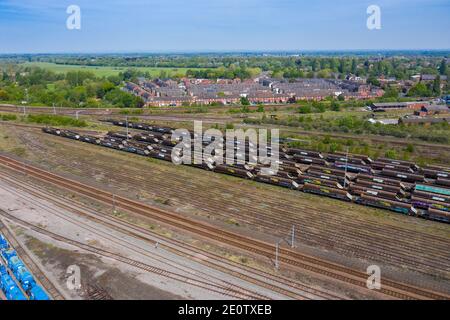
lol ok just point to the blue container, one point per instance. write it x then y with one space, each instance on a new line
432 189
25 279
3 270
6 283
7 254
3 243
37 293
14 263
10 289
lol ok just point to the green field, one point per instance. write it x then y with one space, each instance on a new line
104 71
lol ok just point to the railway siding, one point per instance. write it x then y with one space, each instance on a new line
290 258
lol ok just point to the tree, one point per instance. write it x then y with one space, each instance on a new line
342 67
391 92
373 81
335 106
354 66
419 90
443 67
245 101
305 109
4 95
314 65
325 73
437 86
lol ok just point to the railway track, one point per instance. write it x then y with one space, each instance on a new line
230 291
119 241
381 240
278 219
288 257
287 287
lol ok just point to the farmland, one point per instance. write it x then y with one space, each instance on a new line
101 71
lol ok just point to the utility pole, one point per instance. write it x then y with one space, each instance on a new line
76 114
346 168
126 121
54 109
114 203
293 237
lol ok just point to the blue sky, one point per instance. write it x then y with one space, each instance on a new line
39 26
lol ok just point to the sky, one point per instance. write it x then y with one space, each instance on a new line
39 26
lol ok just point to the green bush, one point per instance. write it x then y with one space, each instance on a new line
8 117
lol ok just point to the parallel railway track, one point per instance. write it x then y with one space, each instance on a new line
230 291
287 287
288 257
280 218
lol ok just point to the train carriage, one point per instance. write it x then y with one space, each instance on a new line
410 164
14 263
10 289
4 245
234 171
304 179
378 165
281 182
303 153
364 158
37 293
340 158
432 196
381 180
340 179
429 204
25 278
309 160
353 168
443 182
403 176
329 171
435 174
432 189
396 206
119 135
362 190
7 254
437 215
381 187
328 192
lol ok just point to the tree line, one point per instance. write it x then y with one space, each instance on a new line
33 85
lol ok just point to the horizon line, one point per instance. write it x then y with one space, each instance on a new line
259 51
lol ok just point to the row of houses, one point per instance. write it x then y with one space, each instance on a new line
262 90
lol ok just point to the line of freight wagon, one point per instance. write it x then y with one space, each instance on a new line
408 173
348 178
14 266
